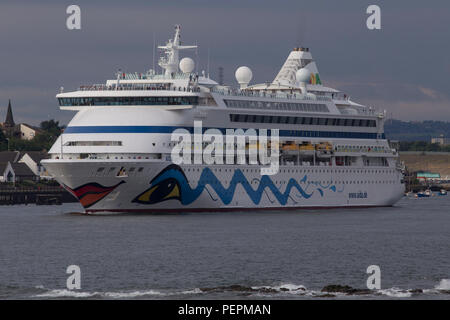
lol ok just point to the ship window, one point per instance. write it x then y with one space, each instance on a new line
105 101
322 121
305 121
276 105
92 143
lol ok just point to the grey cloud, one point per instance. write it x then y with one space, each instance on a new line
39 54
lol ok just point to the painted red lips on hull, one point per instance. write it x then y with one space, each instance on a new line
90 193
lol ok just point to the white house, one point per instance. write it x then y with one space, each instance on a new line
6 172
27 132
16 166
33 160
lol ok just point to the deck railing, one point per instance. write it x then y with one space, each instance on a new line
259 94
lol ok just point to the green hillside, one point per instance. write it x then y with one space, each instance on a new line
415 131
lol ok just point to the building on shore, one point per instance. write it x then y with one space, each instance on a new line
33 160
10 156
21 130
6 172
441 140
18 166
16 172
435 162
425 177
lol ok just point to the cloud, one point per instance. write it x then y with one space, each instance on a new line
389 90
404 63
433 94
404 101
414 110
31 104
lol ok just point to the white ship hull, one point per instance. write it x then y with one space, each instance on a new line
299 187
115 154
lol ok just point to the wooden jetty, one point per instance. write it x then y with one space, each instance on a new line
39 196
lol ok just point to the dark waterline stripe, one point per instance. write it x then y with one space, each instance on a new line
232 209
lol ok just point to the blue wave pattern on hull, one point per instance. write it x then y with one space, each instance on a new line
177 180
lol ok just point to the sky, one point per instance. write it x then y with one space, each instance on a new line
403 68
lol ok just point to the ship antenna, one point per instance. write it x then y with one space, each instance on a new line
62 154
118 79
196 57
154 52
172 48
207 67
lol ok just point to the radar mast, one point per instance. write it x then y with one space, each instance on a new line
170 62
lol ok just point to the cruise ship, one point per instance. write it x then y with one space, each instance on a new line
116 153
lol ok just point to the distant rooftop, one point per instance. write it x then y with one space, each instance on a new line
11 156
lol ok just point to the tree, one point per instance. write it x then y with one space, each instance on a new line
43 141
3 141
52 127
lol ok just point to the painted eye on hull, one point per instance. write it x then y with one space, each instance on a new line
165 190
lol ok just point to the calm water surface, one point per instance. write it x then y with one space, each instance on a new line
226 255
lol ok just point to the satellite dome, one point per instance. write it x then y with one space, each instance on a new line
187 65
243 75
303 75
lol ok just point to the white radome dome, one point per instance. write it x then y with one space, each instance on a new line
243 75
303 75
187 65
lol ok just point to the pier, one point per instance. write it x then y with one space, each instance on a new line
39 196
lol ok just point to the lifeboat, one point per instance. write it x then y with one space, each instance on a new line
324 149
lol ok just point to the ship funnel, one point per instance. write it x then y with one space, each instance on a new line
299 58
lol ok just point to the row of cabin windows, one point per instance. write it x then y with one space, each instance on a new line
348 148
338 182
130 101
132 170
92 143
344 182
291 106
302 120
215 182
113 171
258 170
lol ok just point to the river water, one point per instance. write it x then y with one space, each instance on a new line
239 255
